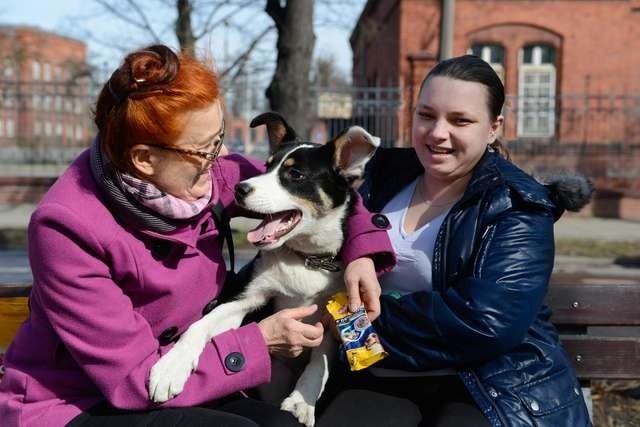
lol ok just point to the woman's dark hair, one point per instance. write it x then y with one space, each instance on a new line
470 68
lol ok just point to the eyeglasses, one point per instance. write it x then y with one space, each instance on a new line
208 156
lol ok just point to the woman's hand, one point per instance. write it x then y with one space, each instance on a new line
286 335
363 286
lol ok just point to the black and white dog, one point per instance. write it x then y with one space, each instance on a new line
306 196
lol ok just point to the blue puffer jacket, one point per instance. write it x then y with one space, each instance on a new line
485 316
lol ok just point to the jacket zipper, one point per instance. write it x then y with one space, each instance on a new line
483 248
443 254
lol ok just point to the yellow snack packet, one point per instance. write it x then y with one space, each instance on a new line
359 341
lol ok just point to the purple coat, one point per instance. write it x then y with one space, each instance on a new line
103 294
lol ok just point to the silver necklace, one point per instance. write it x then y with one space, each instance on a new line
429 203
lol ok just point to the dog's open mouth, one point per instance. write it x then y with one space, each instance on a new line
273 227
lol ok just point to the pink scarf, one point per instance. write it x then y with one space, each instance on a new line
165 204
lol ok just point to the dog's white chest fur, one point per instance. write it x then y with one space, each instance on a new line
284 273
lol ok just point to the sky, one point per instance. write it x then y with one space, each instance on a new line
79 19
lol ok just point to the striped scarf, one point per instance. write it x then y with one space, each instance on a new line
165 204
140 203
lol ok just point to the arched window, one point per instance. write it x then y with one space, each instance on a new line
35 70
493 54
537 91
46 75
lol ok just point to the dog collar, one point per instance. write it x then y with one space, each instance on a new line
320 262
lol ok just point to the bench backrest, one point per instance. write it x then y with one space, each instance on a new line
599 323
598 320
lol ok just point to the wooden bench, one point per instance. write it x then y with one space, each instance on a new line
598 319
13 310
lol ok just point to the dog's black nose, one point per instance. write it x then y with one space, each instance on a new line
243 190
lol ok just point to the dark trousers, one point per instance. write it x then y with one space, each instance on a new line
240 412
362 399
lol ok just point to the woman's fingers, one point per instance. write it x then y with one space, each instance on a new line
362 286
299 312
285 333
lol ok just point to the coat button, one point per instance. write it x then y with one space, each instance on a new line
160 249
493 393
534 406
167 335
234 361
380 221
210 306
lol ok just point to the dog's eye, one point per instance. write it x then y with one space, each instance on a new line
295 174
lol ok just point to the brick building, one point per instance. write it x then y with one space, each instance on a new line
44 92
576 54
571 71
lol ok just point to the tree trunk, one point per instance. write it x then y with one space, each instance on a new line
289 91
184 30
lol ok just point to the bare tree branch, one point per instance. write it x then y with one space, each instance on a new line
275 11
145 26
242 59
208 25
144 19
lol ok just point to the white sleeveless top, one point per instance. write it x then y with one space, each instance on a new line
414 251
412 273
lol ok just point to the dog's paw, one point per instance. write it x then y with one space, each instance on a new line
170 373
303 411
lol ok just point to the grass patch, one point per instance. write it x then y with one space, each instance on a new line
16 238
597 248
13 238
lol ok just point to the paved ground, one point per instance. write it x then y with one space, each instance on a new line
574 227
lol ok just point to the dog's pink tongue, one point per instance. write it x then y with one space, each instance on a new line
265 232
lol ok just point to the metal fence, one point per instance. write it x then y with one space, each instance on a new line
574 118
377 109
49 123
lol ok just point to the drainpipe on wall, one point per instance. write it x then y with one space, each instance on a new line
446 29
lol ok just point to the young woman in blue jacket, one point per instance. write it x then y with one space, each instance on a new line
462 314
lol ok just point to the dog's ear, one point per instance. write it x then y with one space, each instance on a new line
278 129
353 149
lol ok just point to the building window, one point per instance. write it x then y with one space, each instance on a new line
492 54
46 74
37 128
8 69
79 132
10 128
35 70
1 127
537 92
78 106
36 102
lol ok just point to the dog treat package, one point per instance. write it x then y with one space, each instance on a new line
359 341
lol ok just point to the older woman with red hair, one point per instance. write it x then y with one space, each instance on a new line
126 253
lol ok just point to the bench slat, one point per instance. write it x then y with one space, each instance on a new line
603 357
10 290
595 304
